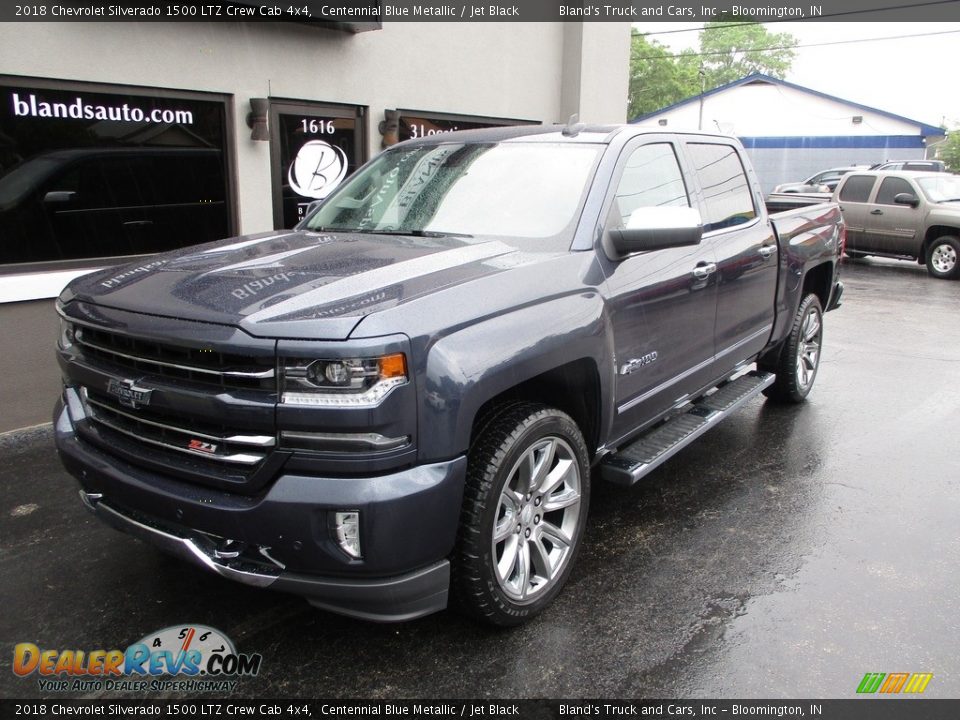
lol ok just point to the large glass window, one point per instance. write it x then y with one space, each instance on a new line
726 191
314 149
88 172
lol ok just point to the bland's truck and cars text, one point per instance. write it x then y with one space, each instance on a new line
402 401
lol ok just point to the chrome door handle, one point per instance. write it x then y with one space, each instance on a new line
768 250
878 211
701 272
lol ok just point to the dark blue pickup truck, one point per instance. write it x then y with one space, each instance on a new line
404 400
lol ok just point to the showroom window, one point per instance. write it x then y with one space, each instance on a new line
89 172
313 148
416 124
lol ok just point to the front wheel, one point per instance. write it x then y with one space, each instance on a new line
942 255
798 362
524 511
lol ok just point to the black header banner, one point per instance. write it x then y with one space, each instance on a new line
204 707
361 15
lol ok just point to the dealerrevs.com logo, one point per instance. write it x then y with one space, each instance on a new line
184 658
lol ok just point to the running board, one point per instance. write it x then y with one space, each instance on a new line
651 450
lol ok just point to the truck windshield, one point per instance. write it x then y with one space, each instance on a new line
515 190
944 188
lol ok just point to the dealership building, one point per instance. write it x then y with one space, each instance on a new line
122 139
792 132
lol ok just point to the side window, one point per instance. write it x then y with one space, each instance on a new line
857 188
890 188
726 190
651 178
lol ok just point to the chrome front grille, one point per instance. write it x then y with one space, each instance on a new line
195 365
206 442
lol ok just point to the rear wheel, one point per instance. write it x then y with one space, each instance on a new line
524 510
942 256
855 255
799 359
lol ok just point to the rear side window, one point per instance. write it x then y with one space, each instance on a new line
728 200
890 188
857 188
651 178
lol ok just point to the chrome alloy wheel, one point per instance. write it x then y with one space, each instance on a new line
537 519
943 258
808 349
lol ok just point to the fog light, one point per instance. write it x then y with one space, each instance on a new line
348 532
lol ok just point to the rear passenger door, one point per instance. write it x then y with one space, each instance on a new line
745 247
854 202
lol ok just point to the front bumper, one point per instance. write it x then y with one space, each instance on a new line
282 539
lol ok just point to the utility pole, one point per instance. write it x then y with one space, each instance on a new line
703 87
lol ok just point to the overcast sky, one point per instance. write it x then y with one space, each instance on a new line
913 77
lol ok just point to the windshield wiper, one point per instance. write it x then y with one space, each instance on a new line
412 233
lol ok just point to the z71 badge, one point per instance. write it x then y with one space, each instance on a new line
127 392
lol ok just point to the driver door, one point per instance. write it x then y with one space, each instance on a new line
662 303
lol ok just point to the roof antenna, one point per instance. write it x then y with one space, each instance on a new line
573 127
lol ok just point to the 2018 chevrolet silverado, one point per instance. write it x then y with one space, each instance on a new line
404 398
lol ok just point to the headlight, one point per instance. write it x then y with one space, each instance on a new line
66 334
342 382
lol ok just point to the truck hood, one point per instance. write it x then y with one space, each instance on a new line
293 284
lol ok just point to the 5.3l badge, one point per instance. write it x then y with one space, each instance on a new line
129 393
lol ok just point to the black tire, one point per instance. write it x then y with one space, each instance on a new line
799 359
853 255
489 580
943 257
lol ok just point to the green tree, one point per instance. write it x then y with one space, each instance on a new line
949 152
732 51
657 77
660 77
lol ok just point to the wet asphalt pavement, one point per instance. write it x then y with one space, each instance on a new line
784 554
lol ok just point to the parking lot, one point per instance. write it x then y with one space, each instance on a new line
784 554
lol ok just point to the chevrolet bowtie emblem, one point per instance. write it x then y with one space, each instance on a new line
128 393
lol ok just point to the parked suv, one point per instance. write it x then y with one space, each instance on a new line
918 165
901 215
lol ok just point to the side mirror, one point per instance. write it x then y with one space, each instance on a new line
906 199
658 228
59 197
